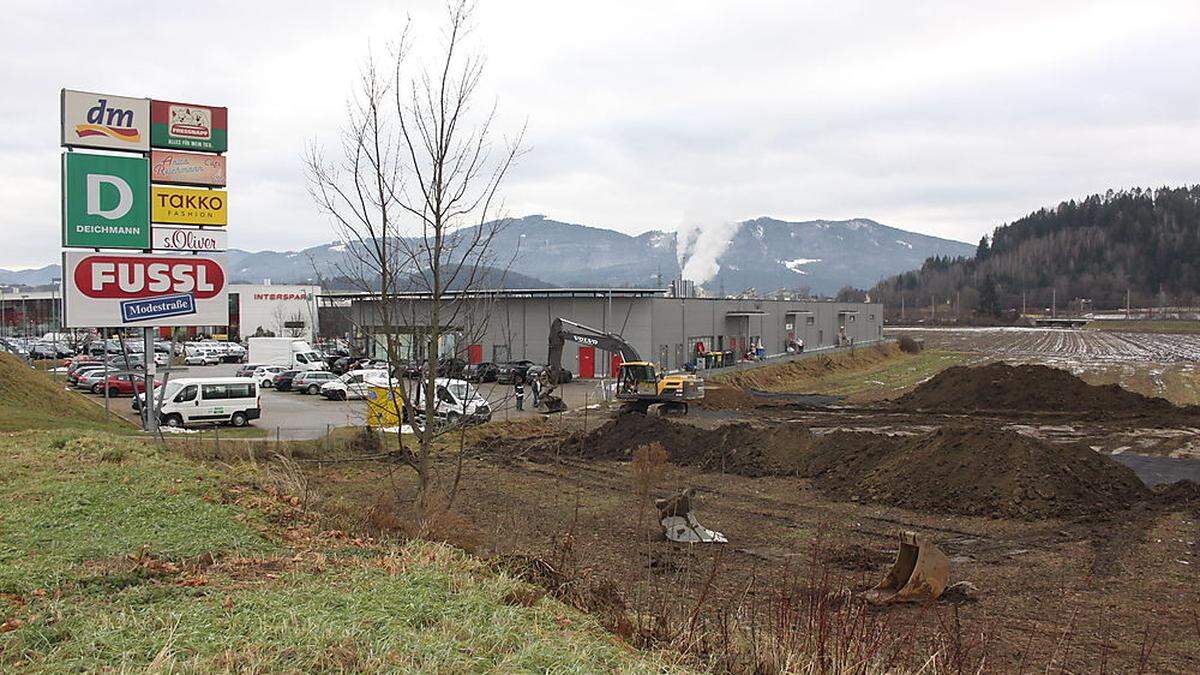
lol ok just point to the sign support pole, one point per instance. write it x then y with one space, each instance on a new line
148 408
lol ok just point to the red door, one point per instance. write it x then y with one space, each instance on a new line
587 362
616 366
474 353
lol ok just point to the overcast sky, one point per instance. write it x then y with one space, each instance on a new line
946 118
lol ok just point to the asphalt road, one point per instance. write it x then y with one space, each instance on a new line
301 416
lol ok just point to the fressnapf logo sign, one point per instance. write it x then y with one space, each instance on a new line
105 121
118 289
188 126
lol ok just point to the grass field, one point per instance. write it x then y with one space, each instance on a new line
30 399
115 555
864 375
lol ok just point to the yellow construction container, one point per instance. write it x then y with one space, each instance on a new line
383 406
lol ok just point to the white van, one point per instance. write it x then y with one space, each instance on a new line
220 400
457 401
287 352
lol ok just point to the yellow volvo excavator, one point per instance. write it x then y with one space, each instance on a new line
639 383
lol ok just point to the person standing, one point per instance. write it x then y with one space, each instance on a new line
519 390
535 385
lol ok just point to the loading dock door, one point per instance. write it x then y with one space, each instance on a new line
587 362
474 353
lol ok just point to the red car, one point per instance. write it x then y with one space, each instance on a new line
125 385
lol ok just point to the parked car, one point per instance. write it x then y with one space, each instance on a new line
247 370
354 384
451 367
341 365
507 373
201 357
538 370
480 372
124 385
265 375
283 381
310 381
92 380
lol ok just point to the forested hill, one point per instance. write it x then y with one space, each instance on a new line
1146 241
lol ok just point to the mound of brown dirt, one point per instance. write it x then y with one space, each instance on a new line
970 470
806 373
1027 388
977 471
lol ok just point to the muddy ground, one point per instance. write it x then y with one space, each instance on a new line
1111 586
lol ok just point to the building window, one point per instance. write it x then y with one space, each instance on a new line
500 354
870 317
810 320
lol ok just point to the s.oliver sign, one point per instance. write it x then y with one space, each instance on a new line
117 289
168 238
186 168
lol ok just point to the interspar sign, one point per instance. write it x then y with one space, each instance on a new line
167 238
188 207
105 201
187 126
118 289
103 121
184 168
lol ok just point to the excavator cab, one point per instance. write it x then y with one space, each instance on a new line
637 379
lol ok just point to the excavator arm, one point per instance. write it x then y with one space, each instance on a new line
562 330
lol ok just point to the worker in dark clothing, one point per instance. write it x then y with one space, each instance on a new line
519 390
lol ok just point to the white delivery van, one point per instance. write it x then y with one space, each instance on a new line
457 401
212 400
288 352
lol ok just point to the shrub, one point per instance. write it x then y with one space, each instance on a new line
909 345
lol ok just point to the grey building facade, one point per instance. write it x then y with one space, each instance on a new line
505 325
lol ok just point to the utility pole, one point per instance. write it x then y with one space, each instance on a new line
901 306
1022 303
1127 303
148 407
1053 303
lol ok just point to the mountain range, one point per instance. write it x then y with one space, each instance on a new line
764 254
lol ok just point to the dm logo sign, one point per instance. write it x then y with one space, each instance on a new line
104 121
106 201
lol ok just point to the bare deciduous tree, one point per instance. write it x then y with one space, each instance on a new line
413 193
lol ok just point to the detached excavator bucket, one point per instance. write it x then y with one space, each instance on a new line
553 404
921 572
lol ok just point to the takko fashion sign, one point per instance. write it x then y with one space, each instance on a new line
170 238
188 207
186 168
125 289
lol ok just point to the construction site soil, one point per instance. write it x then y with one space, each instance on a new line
1031 388
972 470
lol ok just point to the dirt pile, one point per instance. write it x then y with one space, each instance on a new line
986 471
1027 388
976 471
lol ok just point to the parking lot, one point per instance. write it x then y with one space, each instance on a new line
296 416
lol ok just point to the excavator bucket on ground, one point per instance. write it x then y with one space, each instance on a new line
921 572
553 404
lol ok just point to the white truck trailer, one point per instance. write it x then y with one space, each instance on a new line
288 352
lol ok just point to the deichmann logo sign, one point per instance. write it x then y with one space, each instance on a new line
104 121
105 201
188 126
167 238
188 207
120 289
184 168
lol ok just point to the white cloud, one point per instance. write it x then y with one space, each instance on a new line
947 119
